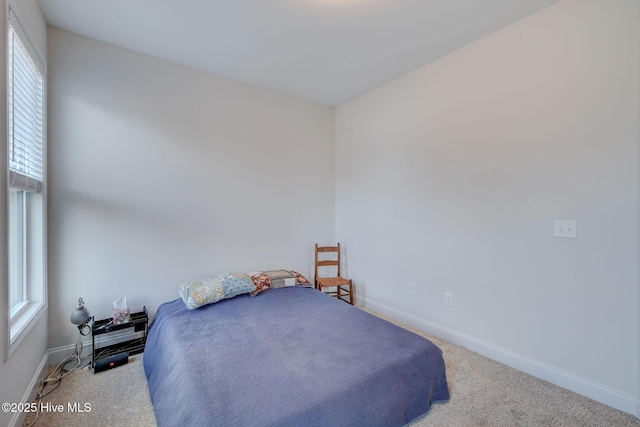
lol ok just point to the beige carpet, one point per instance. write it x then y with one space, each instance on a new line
487 393
483 393
118 397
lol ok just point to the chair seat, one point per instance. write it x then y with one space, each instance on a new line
332 281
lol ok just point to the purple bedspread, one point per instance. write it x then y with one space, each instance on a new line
287 357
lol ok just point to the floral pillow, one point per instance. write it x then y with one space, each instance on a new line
301 279
197 293
277 279
261 282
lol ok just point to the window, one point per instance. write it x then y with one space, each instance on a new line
18 295
25 118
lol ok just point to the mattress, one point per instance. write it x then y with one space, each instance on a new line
287 357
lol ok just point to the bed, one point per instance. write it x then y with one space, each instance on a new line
287 357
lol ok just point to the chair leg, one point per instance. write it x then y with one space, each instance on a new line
350 292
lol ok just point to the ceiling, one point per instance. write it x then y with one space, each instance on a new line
327 51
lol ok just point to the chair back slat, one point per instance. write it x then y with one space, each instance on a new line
328 249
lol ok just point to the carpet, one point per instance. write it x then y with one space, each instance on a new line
483 393
118 397
487 393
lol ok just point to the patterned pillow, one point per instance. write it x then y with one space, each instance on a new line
236 283
301 279
197 293
281 279
277 279
261 282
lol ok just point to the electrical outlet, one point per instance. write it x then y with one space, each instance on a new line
448 299
565 229
412 290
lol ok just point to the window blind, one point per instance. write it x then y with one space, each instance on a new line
25 111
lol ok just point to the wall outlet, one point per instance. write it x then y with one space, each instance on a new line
412 289
448 299
565 229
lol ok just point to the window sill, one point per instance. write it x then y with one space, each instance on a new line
22 324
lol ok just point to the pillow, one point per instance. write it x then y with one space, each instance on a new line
197 293
281 279
301 279
277 279
261 282
236 283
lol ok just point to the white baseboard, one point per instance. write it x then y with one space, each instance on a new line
31 391
559 377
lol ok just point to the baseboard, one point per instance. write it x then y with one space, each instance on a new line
559 377
31 391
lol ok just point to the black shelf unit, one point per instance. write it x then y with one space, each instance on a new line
139 322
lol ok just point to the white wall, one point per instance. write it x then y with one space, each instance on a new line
451 176
160 173
18 374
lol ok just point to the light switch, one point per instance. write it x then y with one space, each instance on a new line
565 229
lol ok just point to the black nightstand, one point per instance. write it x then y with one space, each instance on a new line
139 322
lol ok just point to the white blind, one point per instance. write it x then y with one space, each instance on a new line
25 111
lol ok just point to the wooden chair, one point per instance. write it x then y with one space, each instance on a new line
343 287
